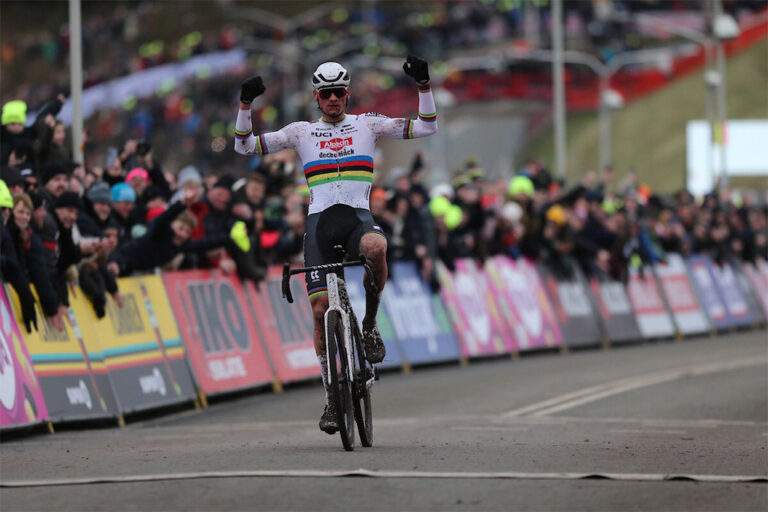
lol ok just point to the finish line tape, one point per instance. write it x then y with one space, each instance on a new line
626 477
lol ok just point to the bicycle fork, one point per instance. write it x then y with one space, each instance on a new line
334 305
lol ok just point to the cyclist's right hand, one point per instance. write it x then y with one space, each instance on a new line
251 88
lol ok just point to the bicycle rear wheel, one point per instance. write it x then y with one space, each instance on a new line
341 388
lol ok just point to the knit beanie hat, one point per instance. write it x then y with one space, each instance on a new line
123 192
14 112
188 174
99 193
50 170
68 199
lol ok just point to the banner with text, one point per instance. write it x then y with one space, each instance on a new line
523 302
650 311
750 294
140 344
21 398
69 366
418 316
736 303
473 310
356 290
574 307
759 283
222 342
292 348
615 311
681 299
704 285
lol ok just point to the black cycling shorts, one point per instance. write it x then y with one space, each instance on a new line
338 225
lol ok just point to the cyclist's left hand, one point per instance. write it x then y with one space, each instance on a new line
417 69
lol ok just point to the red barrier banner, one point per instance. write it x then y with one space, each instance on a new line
290 343
681 298
651 313
223 342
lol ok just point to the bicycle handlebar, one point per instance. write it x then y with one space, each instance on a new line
287 273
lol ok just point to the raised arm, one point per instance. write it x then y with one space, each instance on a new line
246 143
426 122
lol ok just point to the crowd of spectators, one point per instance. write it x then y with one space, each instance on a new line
65 222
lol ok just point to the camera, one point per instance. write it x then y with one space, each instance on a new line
142 148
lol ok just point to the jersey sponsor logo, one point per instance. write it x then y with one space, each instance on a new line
374 114
343 152
321 134
336 144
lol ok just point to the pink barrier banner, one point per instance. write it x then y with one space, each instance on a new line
681 298
21 398
759 282
522 300
473 311
224 340
652 316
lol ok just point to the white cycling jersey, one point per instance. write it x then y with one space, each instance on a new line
337 157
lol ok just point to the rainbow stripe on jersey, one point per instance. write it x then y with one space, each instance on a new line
351 168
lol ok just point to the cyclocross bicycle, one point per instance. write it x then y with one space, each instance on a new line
350 375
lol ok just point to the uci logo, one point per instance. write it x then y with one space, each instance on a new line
314 275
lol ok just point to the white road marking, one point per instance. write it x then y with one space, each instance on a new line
319 473
499 428
646 431
594 393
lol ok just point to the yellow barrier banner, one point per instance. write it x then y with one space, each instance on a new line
69 366
141 345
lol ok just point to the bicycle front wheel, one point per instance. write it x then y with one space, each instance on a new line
341 387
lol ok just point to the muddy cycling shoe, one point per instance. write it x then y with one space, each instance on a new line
328 421
374 346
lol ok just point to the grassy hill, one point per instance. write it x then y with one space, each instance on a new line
649 133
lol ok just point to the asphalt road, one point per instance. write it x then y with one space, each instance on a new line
495 435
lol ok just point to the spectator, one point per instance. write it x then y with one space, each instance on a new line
123 204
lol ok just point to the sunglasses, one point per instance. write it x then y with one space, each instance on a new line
339 92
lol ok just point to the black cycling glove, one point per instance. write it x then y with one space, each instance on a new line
251 88
416 68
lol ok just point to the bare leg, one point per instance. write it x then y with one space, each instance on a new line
319 307
375 249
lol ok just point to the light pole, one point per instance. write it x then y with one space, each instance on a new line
604 72
76 79
558 90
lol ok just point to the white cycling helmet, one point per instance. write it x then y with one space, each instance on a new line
330 74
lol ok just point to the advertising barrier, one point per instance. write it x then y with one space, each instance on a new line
652 316
750 294
681 299
759 283
736 304
704 285
354 280
523 302
292 349
418 316
473 311
222 341
70 368
140 344
615 310
21 398
574 307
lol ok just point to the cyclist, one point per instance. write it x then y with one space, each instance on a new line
337 155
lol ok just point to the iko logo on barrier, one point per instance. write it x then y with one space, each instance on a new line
79 395
212 303
153 383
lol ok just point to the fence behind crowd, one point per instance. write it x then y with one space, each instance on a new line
189 334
